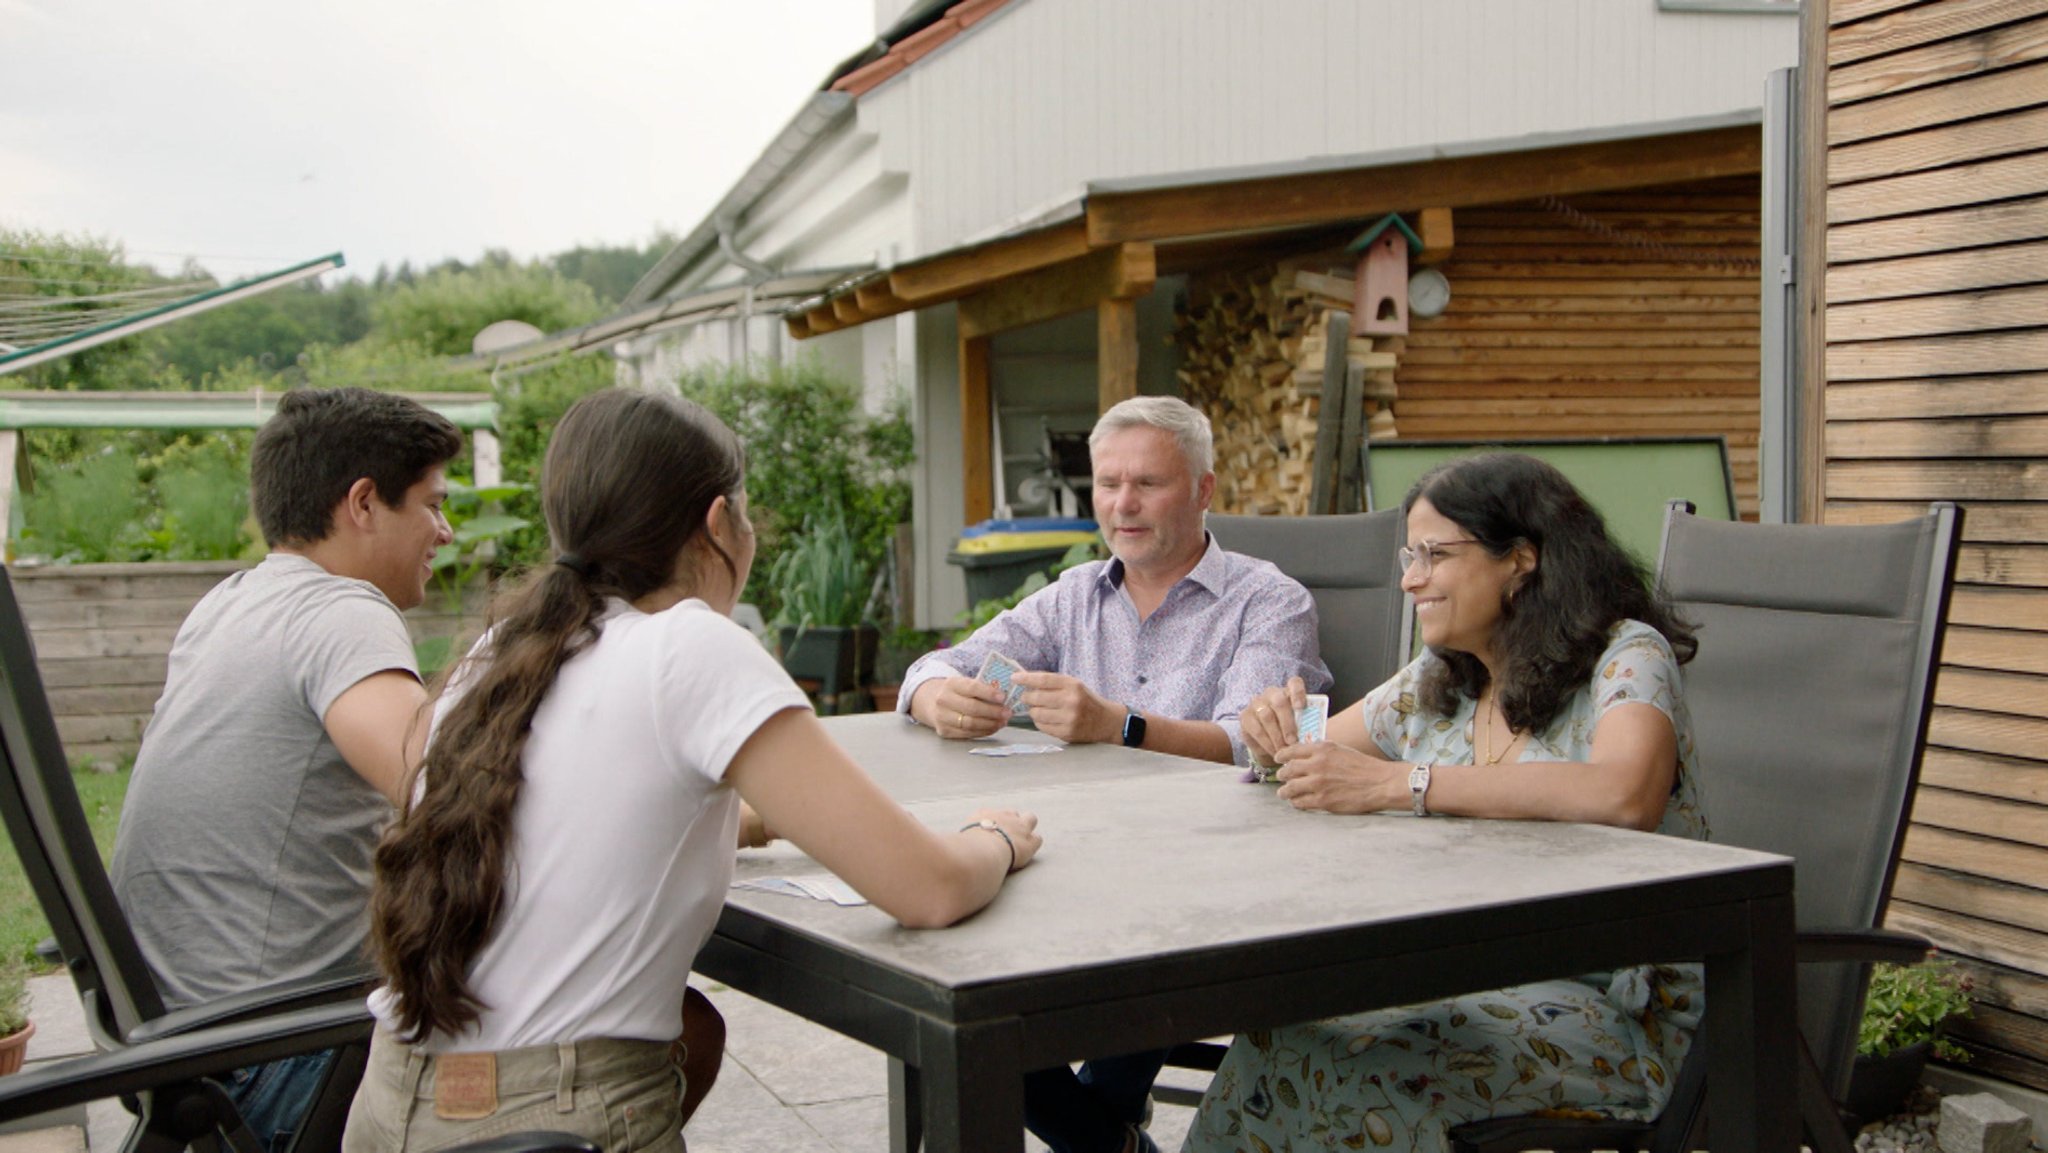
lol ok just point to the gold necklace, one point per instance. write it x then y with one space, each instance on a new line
1493 758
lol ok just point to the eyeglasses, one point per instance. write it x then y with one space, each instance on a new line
1427 556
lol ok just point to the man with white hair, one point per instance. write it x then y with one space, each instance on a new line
1159 647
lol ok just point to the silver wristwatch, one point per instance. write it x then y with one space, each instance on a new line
1418 787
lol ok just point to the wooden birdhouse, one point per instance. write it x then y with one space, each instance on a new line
1380 302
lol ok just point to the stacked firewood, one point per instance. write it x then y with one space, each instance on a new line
1253 347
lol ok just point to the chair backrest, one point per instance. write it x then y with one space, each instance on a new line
1810 699
47 824
1347 563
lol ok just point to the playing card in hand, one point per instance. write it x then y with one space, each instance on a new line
1001 671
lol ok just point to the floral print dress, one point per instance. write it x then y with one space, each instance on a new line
1400 1079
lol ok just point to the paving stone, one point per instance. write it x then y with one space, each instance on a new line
60 1020
1982 1123
62 1139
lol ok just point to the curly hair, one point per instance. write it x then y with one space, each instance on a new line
628 481
1555 621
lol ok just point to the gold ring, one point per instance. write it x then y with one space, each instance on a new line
959 720
1264 709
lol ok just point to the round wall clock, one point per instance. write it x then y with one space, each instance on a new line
1429 292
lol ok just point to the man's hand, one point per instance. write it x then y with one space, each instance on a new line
1337 778
960 708
1064 707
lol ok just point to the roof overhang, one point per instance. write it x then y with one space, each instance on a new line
1214 217
770 297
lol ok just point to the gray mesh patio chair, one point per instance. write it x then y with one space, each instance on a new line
1810 699
1347 563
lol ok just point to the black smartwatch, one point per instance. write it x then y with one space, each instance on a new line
1134 729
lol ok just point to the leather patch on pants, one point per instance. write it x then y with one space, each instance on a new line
465 1086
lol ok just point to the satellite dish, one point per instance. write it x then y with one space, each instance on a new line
502 335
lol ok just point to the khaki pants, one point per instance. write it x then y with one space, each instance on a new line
623 1095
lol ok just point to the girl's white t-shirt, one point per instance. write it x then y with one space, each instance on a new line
624 831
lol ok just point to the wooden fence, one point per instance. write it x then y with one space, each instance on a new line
103 637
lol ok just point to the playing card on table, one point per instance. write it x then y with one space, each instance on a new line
1313 718
1001 671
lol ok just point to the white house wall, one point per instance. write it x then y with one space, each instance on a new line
1047 95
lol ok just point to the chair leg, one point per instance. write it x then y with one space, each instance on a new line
1818 1113
321 1127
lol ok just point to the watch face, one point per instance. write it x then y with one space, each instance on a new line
1429 293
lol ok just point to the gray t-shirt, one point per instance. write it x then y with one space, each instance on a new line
243 856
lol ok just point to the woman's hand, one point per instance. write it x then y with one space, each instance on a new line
1339 779
1267 724
1022 828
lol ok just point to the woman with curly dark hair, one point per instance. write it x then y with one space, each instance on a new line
571 833
1550 691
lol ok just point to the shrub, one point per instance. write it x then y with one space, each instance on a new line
812 454
1909 1004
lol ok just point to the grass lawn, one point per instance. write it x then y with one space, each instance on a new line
21 919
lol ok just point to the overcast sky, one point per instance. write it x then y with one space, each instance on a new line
257 133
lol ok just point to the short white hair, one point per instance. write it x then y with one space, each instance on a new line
1189 427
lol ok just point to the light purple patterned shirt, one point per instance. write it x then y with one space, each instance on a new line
1230 628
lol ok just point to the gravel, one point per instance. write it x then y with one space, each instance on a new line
1909 1132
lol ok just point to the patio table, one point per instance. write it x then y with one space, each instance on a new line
1173 901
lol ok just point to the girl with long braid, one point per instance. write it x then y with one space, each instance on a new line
571 832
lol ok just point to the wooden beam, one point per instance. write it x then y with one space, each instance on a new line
1809 259
799 327
1438 238
847 310
977 433
1350 194
1123 272
875 299
1116 352
955 274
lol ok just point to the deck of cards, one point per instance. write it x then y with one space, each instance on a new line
1312 720
1311 723
1001 671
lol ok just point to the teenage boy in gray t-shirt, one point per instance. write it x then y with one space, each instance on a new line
292 711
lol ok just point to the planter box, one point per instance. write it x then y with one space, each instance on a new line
1878 1086
841 660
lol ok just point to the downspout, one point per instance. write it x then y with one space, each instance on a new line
757 273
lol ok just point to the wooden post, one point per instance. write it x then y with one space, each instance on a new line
977 460
1810 257
1116 351
10 452
1330 419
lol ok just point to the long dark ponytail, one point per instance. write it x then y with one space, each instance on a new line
628 481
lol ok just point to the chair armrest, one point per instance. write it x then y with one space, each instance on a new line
531 1143
186 1057
257 1004
1861 945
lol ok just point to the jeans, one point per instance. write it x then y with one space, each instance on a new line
625 1096
1090 1112
273 1099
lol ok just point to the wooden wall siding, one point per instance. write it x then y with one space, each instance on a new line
103 635
1936 324
1644 325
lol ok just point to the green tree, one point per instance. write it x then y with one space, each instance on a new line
810 450
611 272
49 282
442 311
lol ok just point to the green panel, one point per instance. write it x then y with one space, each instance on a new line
1629 481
